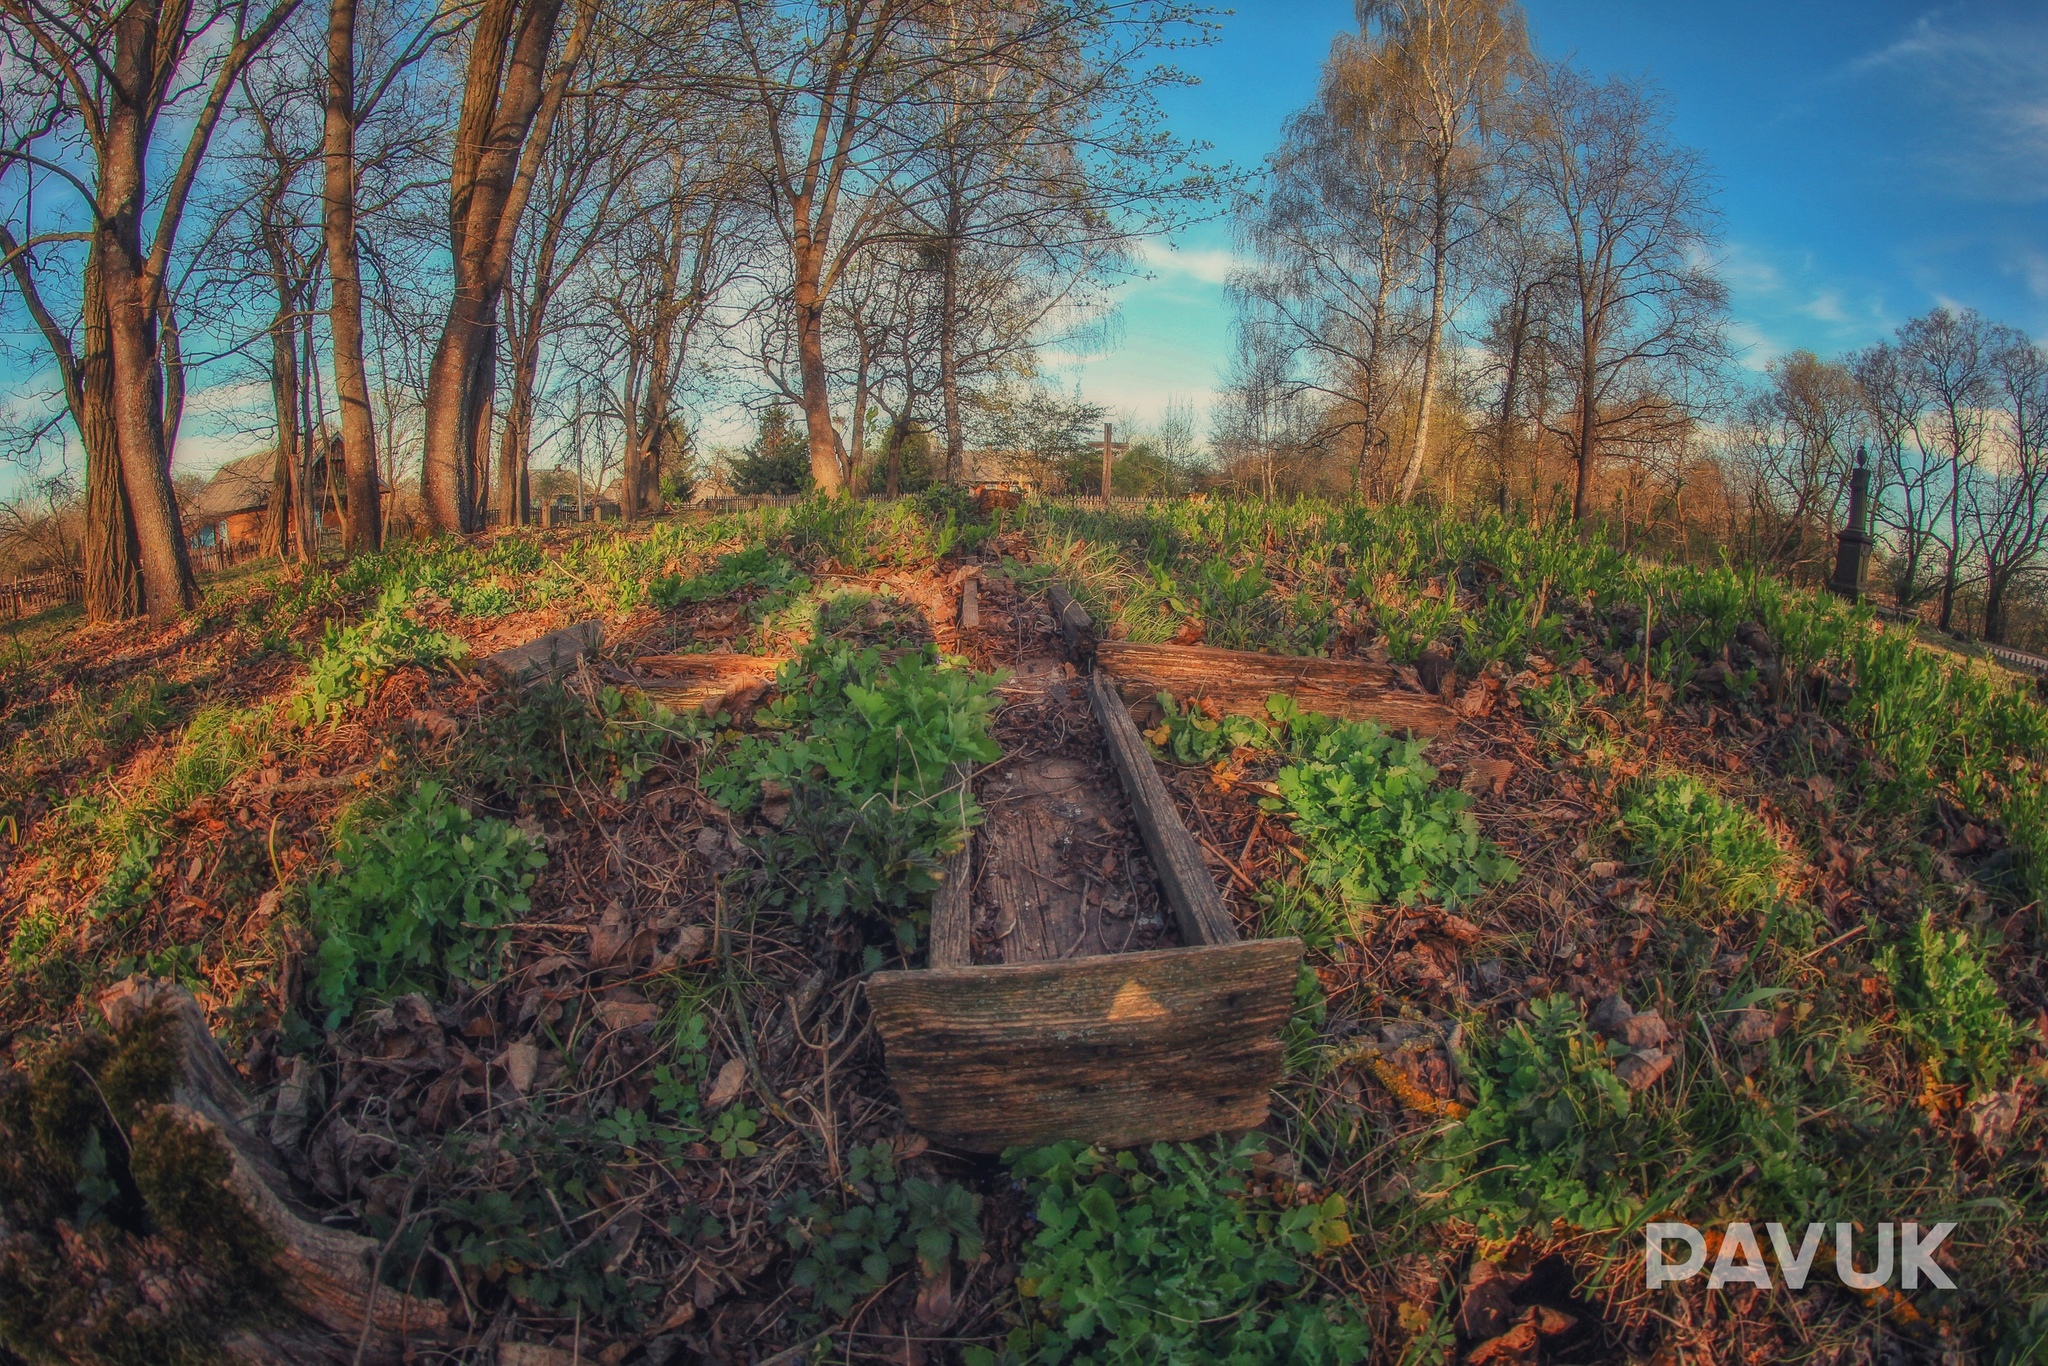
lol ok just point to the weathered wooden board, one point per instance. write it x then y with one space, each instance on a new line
1118 1050
1075 626
548 656
690 682
952 937
1240 681
1042 891
1178 859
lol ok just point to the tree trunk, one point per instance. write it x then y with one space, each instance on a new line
167 583
893 450
1583 440
810 352
284 399
113 583
949 333
345 301
1955 541
1431 343
508 109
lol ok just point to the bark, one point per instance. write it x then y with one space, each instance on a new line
1955 540
345 299
816 390
1431 344
1583 440
508 110
949 333
284 397
167 583
654 413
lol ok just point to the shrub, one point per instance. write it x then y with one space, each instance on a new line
851 1242
1377 826
421 899
1177 1256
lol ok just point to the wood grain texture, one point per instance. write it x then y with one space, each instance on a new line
1119 1050
548 656
952 936
1076 627
693 682
1043 889
1175 856
1240 681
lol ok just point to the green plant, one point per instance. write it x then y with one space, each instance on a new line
1678 827
1949 1005
1550 1137
1182 1255
420 899
849 1243
854 780
1378 827
756 568
550 737
354 659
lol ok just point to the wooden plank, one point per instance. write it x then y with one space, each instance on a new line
952 934
1120 1049
548 656
1240 681
1076 628
970 602
1175 856
1040 888
691 682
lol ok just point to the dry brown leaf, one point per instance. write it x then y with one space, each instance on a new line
726 1085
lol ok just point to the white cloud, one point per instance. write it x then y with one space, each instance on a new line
1208 265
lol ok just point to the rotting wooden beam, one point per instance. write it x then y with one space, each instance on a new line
1119 1049
952 935
1175 856
548 656
1240 681
693 682
1076 627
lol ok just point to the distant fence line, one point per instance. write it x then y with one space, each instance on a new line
26 596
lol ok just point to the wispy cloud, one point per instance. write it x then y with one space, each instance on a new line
1978 78
1209 265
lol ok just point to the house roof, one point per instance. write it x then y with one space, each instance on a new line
243 485
239 486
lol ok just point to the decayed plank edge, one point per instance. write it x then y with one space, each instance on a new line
1182 873
1077 628
952 934
1240 681
547 656
689 682
1118 1049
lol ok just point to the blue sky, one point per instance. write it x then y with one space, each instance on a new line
1875 159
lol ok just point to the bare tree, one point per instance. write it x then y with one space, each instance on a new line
1446 66
509 101
1799 435
1634 223
2009 502
113 72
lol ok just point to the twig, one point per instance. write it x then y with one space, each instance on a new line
1235 873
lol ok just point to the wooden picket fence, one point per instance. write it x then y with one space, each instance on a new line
26 596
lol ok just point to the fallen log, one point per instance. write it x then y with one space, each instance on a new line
1075 626
1183 876
326 1274
1240 681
